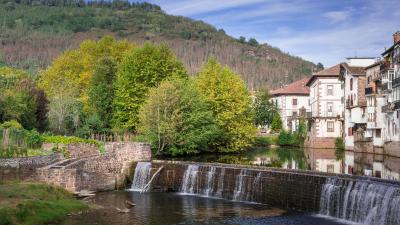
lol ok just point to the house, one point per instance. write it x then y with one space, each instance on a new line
326 102
353 76
292 102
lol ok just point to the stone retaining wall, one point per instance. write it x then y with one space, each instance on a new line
76 150
25 167
299 190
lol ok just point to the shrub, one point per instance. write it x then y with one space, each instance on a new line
12 124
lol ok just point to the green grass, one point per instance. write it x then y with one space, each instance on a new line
34 203
265 141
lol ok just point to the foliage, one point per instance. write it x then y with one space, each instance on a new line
67 80
13 124
176 120
265 141
296 138
33 138
33 203
285 138
264 109
319 67
339 145
142 69
253 42
229 100
276 124
69 140
301 132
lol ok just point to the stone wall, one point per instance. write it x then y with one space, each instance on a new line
290 189
97 173
389 148
392 148
25 167
318 142
76 150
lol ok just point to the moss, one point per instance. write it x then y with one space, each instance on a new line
34 203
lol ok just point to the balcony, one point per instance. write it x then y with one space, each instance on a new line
369 91
385 86
329 114
384 66
396 82
391 107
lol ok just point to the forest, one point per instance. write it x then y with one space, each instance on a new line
35 32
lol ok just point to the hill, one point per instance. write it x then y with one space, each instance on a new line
34 32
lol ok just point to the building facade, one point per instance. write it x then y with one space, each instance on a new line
292 102
326 103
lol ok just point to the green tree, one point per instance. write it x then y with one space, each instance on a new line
320 67
101 94
301 132
263 108
253 42
230 102
276 124
176 120
143 68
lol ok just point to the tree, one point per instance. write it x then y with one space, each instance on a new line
263 108
253 42
142 69
242 39
101 94
320 67
230 102
176 120
276 124
67 80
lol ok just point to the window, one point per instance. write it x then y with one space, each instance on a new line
294 114
330 168
329 109
294 101
350 131
351 84
378 133
331 126
329 90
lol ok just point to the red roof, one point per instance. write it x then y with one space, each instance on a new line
333 71
296 88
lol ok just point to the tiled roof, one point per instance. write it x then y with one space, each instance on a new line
296 88
355 70
333 71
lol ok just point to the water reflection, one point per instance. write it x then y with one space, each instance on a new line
322 160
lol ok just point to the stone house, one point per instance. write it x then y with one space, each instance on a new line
292 102
326 103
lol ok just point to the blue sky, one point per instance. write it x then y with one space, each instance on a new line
324 31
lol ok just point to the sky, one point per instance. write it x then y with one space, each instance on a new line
326 31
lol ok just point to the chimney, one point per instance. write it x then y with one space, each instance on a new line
396 37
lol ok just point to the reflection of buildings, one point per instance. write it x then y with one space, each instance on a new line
365 164
323 160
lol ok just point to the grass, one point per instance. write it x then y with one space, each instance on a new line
265 141
34 203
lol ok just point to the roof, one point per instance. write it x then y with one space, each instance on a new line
296 88
354 70
373 65
390 49
333 71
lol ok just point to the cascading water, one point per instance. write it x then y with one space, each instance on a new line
190 180
361 201
210 182
142 176
245 187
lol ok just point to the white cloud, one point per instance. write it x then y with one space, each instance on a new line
337 16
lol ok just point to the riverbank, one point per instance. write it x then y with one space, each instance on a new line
35 203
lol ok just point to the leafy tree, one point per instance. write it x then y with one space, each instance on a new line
101 94
320 67
228 97
242 39
176 120
263 108
67 80
143 68
276 124
253 42
301 132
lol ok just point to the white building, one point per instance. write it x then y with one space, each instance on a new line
354 81
326 101
292 102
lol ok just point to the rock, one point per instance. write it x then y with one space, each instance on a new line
123 210
129 204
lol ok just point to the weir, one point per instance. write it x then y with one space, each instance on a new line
352 198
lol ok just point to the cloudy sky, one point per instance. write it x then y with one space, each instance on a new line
317 30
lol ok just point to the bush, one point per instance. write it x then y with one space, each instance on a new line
33 138
12 124
285 138
265 141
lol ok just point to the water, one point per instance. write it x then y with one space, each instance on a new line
168 208
361 201
190 180
142 176
322 160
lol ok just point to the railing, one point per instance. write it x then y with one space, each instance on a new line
369 91
329 114
387 108
396 82
384 66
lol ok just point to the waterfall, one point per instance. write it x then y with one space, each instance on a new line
361 201
210 181
220 189
246 187
142 176
190 180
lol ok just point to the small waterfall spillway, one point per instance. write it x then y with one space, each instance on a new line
142 176
361 201
210 181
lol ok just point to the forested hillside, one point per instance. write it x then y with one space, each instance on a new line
33 33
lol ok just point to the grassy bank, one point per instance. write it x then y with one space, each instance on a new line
34 203
266 141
